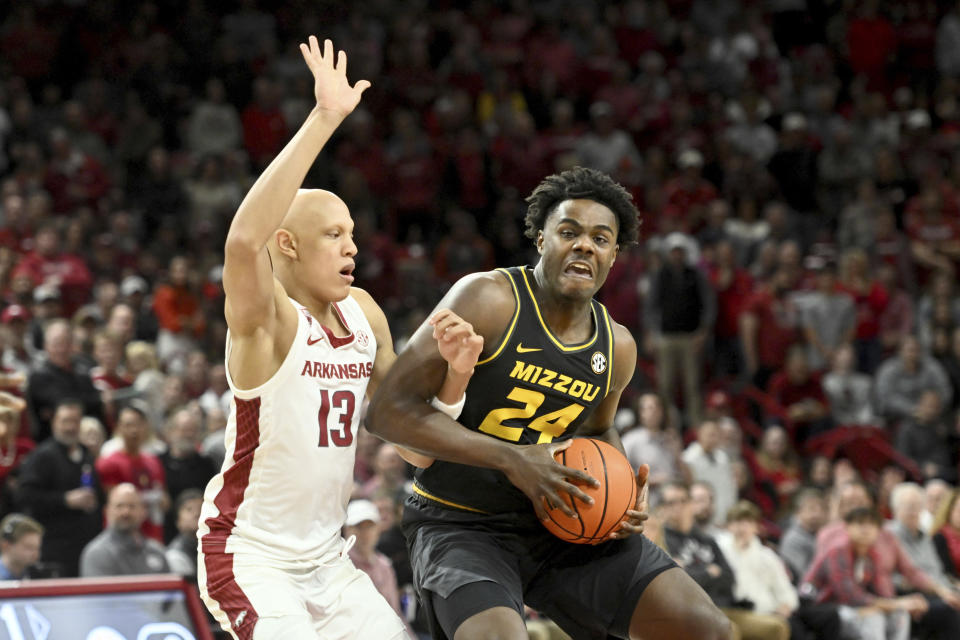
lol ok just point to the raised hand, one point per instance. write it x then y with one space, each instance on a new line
457 342
330 85
632 524
538 474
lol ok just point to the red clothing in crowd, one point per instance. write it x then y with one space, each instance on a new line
787 392
104 381
777 322
370 160
887 555
621 295
835 581
415 178
520 163
77 181
870 305
872 43
264 132
936 230
731 300
70 271
172 304
10 457
682 195
145 472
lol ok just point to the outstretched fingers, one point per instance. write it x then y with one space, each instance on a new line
327 51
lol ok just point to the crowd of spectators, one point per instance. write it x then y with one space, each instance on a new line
796 164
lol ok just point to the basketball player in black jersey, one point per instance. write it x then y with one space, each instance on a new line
553 367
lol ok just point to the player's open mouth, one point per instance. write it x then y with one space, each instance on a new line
347 273
579 270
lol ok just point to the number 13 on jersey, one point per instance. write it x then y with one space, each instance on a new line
343 404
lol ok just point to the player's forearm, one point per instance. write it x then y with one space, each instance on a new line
268 200
454 386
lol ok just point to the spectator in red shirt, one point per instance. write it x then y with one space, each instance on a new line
179 314
871 44
73 178
777 463
870 298
891 562
264 129
850 575
734 287
48 264
799 392
29 46
768 327
689 192
142 470
934 234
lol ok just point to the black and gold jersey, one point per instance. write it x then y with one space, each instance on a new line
532 389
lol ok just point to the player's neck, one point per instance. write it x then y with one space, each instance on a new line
322 311
570 319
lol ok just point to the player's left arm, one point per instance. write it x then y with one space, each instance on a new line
457 342
600 424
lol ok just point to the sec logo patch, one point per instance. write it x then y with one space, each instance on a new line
362 339
598 363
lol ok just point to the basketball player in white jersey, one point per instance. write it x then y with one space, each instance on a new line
303 350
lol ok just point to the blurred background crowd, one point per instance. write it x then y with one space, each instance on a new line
796 164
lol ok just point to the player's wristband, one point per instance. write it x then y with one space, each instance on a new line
452 410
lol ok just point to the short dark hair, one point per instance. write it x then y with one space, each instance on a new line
69 402
186 496
589 184
861 515
138 406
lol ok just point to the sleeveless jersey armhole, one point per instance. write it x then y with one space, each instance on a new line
611 345
288 364
513 321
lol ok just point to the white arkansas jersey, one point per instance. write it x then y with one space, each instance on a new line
285 482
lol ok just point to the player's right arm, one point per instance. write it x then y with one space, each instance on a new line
400 411
261 320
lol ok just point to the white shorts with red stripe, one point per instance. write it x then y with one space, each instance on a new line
253 600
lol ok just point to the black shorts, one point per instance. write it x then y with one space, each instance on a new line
590 591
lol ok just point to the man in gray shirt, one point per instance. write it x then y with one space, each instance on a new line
829 318
902 379
798 545
907 501
121 550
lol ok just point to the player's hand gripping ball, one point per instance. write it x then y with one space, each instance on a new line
612 498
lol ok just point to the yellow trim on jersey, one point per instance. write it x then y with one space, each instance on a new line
560 345
513 322
430 496
606 320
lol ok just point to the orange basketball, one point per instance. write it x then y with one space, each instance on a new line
616 494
